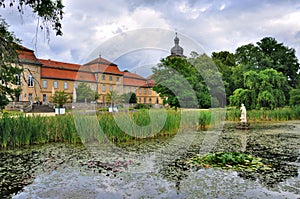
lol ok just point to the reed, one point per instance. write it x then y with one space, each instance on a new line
280 114
21 130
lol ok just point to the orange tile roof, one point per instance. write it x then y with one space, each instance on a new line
62 65
132 75
26 54
132 79
76 72
68 71
55 73
103 66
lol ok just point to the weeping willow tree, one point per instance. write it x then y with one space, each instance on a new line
264 89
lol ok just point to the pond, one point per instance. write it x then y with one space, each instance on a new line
156 168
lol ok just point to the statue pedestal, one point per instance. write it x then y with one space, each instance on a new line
243 125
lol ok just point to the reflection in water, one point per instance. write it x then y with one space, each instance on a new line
157 168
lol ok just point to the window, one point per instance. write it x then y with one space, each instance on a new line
55 85
17 79
150 100
93 87
65 85
30 96
118 79
75 85
110 88
145 91
150 91
144 100
140 100
103 77
44 98
110 78
140 91
44 83
30 80
103 88
118 88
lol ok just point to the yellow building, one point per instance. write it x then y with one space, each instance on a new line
44 77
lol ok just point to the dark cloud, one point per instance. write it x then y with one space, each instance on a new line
214 25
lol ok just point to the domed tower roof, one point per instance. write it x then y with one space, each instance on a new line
177 50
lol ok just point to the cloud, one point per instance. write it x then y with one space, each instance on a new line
211 25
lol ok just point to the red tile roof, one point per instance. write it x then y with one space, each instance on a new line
55 73
76 72
103 66
26 54
62 65
132 79
61 70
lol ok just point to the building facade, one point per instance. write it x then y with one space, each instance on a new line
42 78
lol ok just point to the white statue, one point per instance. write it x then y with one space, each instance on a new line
243 114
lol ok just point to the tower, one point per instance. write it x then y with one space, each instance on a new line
177 50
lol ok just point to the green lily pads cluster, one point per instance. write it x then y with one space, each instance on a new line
228 161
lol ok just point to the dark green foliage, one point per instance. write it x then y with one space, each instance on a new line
225 61
142 106
9 74
50 11
280 114
265 54
130 98
268 53
264 89
189 83
228 161
295 97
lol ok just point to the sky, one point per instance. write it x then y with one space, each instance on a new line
136 34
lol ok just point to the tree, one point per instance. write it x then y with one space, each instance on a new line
189 83
60 98
212 78
50 12
264 89
175 78
130 98
268 53
113 97
85 93
294 97
9 73
226 64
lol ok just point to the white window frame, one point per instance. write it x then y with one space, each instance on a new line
55 85
45 83
30 80
65 85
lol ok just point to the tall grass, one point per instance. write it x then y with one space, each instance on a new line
282 114
21 130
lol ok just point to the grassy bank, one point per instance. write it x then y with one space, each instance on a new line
21 130
283 114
